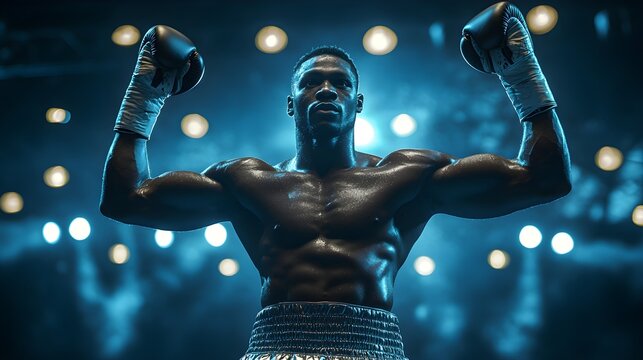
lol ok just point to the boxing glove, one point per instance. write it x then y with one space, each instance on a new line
497 41
168 64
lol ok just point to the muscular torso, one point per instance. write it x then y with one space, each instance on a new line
341 237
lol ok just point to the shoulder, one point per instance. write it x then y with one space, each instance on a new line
231 167
423 157
367 160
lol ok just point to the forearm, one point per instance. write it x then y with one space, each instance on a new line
544 153
126 168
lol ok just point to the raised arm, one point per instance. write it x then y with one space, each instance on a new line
497 41
486 185
168 65
178 200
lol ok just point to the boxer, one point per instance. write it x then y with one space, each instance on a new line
329 228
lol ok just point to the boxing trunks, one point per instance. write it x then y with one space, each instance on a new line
324 331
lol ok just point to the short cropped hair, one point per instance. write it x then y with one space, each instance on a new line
327 50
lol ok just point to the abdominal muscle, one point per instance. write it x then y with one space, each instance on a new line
331 270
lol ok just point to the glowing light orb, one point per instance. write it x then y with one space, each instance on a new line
194 126
530 236
79 229
562 243
57 116
637 215
163 238
379 40
271 40
608 158
228 267
51 232
56 176
541 19
364 132
424 265
126 35
216 235
403 125
119 254
498 259
11 202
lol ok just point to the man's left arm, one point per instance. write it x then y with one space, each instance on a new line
497 41
486 185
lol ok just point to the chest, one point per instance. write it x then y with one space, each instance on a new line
345 205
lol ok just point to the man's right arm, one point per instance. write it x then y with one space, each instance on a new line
168 64
178 200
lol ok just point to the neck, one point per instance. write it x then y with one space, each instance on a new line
324 155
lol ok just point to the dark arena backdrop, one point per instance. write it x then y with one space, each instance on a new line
558 281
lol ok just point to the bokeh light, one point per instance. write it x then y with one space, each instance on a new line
562 243
126 35
194 126
530 237
228 267
216 235
637 215
541 19
403 125
608 158
163 238
119 254
271 40
11 202
364 132
379 40
57 116
56 176
51 232
424 265
79 229
498 259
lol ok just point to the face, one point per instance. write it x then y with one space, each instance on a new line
324 100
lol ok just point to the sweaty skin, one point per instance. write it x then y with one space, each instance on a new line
333 224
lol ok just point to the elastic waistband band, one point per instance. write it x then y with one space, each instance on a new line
326 328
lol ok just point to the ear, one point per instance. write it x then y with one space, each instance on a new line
360 103
290 109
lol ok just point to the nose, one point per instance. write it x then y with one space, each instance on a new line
326 92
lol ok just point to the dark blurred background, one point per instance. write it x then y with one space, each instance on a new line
71 299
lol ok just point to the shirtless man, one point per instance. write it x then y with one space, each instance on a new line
329 229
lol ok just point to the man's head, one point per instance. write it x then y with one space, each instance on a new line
324 99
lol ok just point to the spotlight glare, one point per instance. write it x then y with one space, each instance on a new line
126 35
562 243
530 236
403 125
228 267
163 238
216 235
11 202
608 158
194 126
79 229
271 40
51 232
498 259
57 116
541 19
637 215
119 254
56 176
424 265
364 132
379 40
